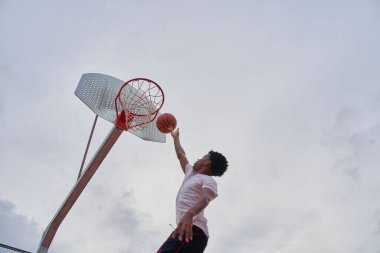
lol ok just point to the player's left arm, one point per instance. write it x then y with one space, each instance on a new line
184 228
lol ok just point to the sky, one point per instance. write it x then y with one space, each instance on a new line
288 91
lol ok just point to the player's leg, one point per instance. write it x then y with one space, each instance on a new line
198 244
171 245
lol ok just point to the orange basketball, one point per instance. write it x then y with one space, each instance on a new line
165 121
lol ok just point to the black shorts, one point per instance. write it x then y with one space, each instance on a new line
197 245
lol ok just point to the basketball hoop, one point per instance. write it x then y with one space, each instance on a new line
137 103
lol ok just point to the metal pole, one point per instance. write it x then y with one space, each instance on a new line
88 145
98 158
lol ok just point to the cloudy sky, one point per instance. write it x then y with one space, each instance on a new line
288 90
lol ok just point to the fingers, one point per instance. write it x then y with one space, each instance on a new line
174 132
189 233
179 231
183 231
175 233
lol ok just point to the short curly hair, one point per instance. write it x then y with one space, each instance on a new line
219 163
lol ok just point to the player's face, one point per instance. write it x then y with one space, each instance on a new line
202 163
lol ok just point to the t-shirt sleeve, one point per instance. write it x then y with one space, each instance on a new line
211 184
188 168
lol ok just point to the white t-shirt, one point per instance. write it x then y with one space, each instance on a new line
190 192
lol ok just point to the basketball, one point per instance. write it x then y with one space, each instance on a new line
165 121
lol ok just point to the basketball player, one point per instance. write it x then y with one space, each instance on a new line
196 192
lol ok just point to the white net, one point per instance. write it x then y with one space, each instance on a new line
138 103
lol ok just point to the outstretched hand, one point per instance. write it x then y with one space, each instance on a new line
185 228
174 133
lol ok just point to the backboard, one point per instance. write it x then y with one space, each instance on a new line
98 92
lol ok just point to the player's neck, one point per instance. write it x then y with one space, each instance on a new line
204 171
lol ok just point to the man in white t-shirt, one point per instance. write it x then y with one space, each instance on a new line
197 190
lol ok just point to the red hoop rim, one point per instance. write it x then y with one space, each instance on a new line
155 112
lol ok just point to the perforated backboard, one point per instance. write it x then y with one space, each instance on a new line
98 92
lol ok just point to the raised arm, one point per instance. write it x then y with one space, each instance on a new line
179 150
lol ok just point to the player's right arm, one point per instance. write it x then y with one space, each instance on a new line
180 152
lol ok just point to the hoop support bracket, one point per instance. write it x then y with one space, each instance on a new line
75 192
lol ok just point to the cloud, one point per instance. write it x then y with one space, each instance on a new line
123 217
353 140
115 219
16 230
